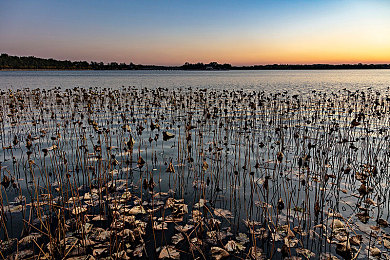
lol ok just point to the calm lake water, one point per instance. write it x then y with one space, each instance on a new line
296 81
269 170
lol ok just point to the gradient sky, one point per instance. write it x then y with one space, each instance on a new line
173 32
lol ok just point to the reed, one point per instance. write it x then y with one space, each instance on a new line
186 173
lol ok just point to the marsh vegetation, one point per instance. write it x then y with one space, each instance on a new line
194 173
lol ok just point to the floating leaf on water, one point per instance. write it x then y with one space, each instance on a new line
250 223
154 209
7 147
92 159
20 199
383 223
154 126
110 148
25 254
137 210
361 176
169 252
173 219
78 210
290 242
28 240
386 243
305 252
195 243
337 224
129 219
369 201
200 204
363 190
86 228
231 246
171 202
276 237
375 228
51 148
177 238
363 217
354 123
160 195
280 204
218 235
138 251
344 248
170 168
262 204
98 252
167 135
13 208
87 196
180 210
130 143
99 218
6 181
341 235
218 253
290 234
223 213
205 166
280 156
240 246
298 209
374 251
126 195
141 162
185 228
120 255
196 213
73 200
127 233
356 240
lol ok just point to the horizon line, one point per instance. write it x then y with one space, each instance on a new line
205 63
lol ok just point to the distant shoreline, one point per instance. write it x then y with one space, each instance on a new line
31 63
236 69
44 70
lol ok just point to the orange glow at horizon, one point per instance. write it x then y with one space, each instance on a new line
245 33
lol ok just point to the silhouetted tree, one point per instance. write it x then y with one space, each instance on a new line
31 62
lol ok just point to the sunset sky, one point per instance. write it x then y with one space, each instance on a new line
174 32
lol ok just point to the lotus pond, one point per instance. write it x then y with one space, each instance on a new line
191 173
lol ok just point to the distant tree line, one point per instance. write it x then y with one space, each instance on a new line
34 63
31 62
209 66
